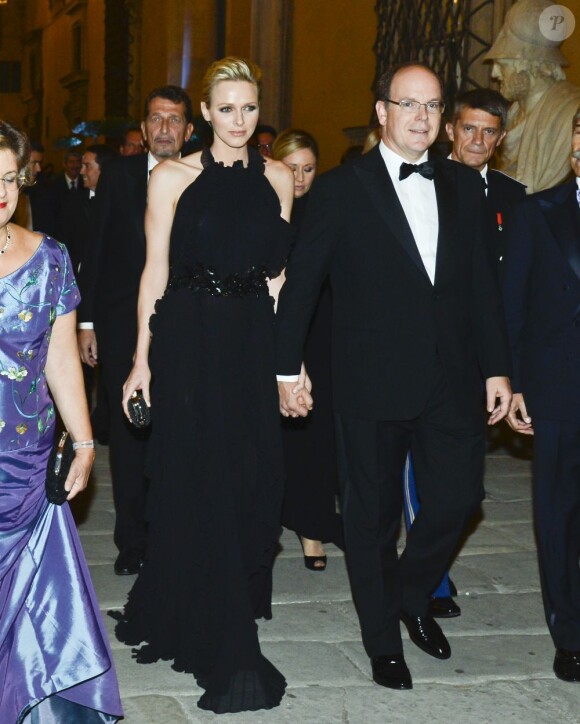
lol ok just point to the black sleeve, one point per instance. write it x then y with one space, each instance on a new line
307 269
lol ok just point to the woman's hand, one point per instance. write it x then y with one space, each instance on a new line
304 382
79 472
139 379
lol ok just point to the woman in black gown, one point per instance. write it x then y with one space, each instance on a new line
309 506
217 242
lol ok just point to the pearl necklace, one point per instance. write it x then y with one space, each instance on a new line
6 246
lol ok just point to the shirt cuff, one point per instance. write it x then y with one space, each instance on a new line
85 325
287 378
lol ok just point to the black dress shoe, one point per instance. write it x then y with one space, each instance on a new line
567 665
391 671
426 633
128 562
444 608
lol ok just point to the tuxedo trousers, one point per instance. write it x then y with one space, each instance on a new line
448 454
557 521
127 444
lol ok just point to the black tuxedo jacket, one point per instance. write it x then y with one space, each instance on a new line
110 274
389 320
542 302
503 195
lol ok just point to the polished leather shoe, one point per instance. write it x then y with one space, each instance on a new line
128 562
444 607
391 671
426 633
567 665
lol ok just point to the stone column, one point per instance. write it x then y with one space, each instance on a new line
271 44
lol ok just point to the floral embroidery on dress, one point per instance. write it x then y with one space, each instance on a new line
31 298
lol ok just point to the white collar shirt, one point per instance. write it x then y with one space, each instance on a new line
151 163
419 201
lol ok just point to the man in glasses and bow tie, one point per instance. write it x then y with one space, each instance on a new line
542 306
417 322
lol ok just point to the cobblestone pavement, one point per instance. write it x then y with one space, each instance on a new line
501 666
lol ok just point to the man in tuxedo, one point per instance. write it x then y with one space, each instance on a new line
476 130
109 283
417 319
542 307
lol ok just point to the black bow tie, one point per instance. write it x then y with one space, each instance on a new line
426 169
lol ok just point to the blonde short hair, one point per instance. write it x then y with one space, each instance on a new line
230 68
292 140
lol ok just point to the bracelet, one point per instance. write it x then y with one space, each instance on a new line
83 443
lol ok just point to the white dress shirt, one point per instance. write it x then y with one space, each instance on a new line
419 202
152 162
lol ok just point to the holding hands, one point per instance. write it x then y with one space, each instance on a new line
295 397
523 422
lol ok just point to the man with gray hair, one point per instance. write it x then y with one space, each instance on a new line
542 307
527 62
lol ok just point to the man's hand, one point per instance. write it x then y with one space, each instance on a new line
295 400
523 423
498 388
87 341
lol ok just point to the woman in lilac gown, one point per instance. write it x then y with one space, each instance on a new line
55 662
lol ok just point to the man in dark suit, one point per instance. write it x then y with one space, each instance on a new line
67 190
542 307
77 218
109 283
417 320
476 130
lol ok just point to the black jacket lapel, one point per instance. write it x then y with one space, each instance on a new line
375 178
447 212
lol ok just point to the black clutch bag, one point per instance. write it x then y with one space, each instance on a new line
59 462
139 412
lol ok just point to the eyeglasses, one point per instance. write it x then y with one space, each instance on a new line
264 146
413 106
12 183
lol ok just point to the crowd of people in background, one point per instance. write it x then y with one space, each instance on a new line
372 294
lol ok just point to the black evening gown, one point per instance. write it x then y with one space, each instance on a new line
215 456
309 506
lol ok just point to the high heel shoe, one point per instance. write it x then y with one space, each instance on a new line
311 561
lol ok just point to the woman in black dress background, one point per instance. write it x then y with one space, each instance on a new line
217 242
309 449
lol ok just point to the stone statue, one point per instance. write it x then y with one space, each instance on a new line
528 62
